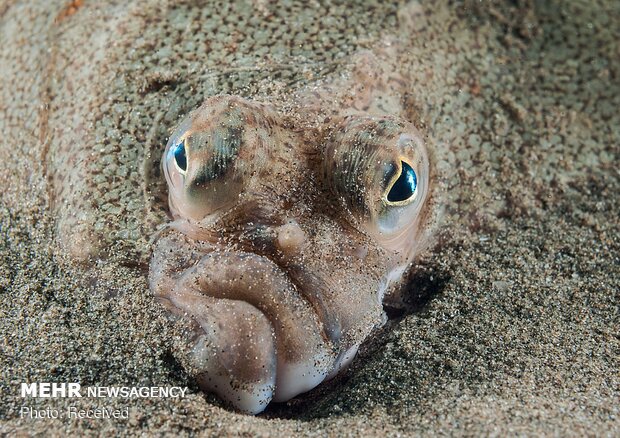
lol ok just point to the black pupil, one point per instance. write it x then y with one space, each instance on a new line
404 186
179 156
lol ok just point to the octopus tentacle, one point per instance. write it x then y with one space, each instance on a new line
222 352
304 352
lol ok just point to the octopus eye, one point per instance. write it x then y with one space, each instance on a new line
378 168
403 190
215 154
180 159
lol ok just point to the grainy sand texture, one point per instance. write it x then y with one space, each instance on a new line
514 318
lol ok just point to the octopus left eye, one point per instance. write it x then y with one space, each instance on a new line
215 154
403 190
180 157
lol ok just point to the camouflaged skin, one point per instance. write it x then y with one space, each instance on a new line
99 85
106 82
284 242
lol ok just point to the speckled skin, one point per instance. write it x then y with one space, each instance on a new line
119 77
284 243
111 94
516 312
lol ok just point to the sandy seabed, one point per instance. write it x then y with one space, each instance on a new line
515 320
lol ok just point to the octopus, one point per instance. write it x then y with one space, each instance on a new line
277 217
288 235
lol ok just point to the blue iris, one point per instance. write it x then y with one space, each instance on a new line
179 156
404 187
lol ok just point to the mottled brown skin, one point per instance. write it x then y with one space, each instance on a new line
95 89
283 243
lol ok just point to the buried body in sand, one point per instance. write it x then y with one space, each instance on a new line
294 216
116 270
290 228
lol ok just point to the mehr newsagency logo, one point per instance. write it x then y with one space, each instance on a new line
75 390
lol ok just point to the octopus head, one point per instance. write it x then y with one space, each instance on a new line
290 237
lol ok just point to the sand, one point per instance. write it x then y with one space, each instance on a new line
513 326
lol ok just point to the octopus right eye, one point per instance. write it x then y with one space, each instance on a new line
403 189
379 169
